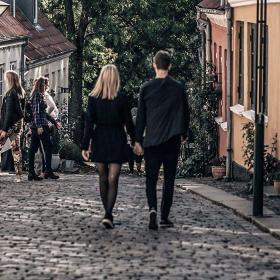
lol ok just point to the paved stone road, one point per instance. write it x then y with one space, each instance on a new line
52 231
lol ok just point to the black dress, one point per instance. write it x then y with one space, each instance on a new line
106 122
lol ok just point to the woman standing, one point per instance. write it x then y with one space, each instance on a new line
11 123
107 115
40 131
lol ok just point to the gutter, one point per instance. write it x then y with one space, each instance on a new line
229 172
48 59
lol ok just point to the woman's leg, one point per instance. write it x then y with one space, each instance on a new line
103 182
34 145
17 156
114 174
47 149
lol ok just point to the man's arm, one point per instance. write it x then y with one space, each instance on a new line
141 118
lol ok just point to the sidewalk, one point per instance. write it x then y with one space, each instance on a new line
270 222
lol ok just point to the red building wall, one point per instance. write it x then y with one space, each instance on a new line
219 58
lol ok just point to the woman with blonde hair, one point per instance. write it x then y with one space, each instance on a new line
11 123
108 115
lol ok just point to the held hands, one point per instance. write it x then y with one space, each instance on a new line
138 150
3 134
40 131
58 125
85 155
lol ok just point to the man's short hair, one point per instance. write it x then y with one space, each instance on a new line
162 60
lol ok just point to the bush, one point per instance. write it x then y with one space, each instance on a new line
70 151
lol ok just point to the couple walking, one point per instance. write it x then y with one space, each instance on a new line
164 117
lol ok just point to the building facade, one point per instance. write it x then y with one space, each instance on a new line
13 38
244 55
212 23
45 51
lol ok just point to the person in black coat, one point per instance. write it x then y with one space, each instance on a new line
40 131
108 115
11 122
164 116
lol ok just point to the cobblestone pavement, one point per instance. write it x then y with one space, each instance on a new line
52 231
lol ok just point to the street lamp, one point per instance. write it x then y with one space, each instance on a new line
260 105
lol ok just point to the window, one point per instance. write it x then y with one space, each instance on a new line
266 85
2 70
13 65
253 49
53 82
240 87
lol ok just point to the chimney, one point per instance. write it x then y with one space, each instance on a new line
29 9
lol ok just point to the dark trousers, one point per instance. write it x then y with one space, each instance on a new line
166 154
36 141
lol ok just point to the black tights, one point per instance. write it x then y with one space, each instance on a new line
108 182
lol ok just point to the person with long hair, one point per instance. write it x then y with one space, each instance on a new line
40 131
108 115
11 123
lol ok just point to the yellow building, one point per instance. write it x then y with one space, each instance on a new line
243 38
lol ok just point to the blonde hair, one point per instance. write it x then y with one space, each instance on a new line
13 82
108 83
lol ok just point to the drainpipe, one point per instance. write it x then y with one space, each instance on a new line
22 63
14 8
208 43
229 174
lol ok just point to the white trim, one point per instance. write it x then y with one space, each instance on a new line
224 126
9 45
237 109
250 115
240 3
220 20
219 120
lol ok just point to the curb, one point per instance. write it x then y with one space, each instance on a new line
265 223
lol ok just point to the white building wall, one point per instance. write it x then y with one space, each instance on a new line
58 74
10 59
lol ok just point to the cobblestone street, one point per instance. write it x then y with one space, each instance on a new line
52 231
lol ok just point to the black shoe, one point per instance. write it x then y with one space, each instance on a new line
50 175
107 222
153 220
34 177
166 223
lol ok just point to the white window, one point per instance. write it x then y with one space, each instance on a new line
13 65
2 70
53 82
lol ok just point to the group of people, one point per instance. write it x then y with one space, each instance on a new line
162 116
39 112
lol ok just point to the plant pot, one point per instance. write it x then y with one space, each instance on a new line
67 165
276 185
218 172
55 162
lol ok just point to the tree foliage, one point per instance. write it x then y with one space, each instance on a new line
128 33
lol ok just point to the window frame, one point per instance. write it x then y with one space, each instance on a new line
240 81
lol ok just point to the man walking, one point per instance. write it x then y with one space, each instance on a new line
164 116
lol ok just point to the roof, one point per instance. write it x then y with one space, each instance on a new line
210 4
10 28
46 40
